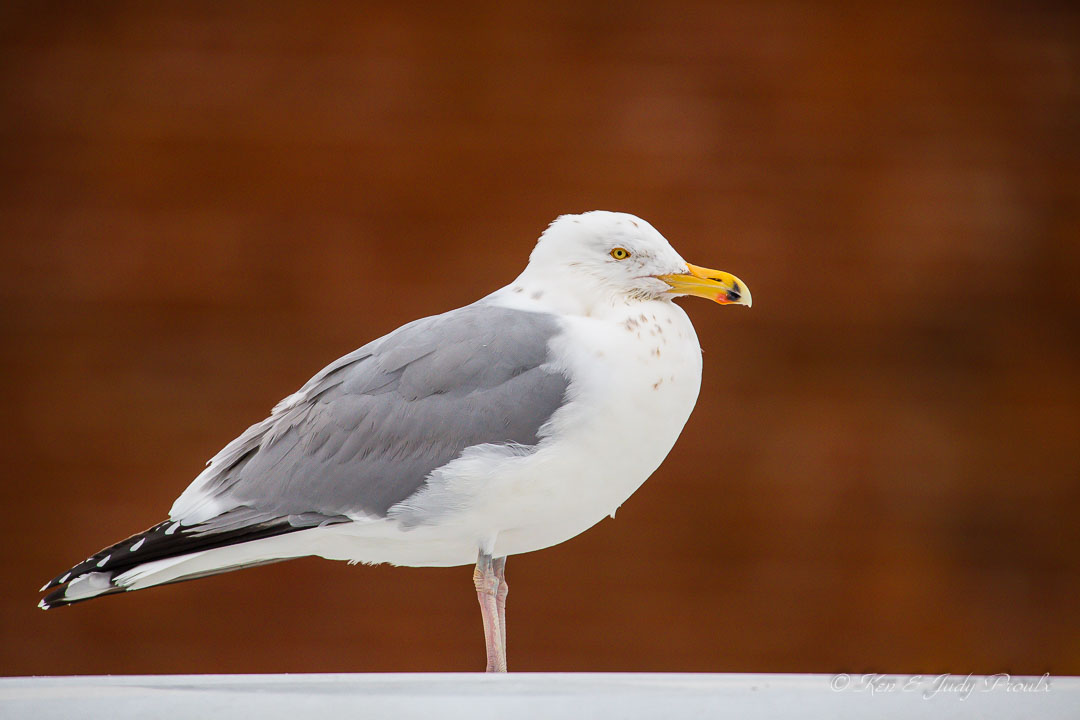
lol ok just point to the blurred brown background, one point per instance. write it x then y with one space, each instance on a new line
202 204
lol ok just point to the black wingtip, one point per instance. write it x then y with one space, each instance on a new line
62 578
102 561
54 599
119 555
164 540
57 597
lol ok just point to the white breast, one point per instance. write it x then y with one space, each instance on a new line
635 377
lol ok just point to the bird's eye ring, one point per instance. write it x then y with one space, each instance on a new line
620 253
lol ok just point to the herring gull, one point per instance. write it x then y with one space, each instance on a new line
502 427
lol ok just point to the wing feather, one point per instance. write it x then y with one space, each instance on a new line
366 431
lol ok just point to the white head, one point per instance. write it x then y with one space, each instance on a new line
620 256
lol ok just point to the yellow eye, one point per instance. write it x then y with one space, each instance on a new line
620 253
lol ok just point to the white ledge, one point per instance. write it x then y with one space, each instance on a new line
538 695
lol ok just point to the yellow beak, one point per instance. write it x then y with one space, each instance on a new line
714 285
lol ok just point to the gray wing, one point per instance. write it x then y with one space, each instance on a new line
365 432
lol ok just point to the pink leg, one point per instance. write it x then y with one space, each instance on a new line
500 598
487 592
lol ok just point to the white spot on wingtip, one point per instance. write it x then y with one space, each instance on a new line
64 579
137 545
101 563
43 605
44 587
172 528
